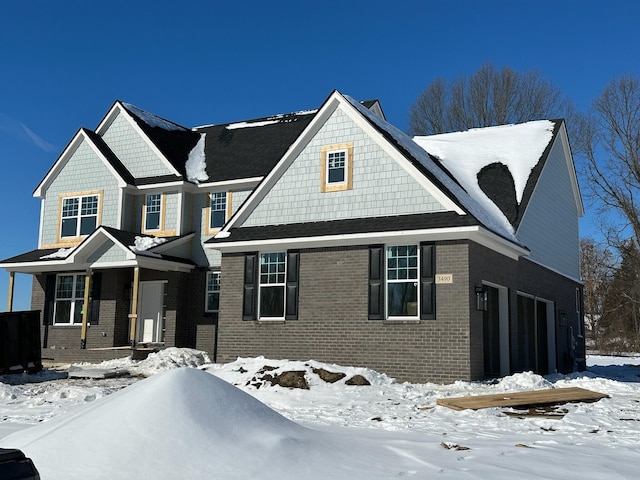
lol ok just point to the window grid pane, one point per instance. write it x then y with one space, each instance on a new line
90 205
402 263
272 268
69 207
154 202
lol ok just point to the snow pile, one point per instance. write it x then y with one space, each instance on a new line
196 165
188 424
163 360
194 423
142 245
60 253
518 147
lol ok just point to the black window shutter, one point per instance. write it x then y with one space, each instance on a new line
49 299
293 274
376 282
250 293
94 302
427 281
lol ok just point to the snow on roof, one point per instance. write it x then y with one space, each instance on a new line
518 147
142 245
151 119
261 122
481 208
61 253
196 165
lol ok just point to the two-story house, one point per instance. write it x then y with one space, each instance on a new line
325 234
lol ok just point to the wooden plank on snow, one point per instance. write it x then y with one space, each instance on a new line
551 396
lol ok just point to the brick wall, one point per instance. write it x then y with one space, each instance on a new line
333 324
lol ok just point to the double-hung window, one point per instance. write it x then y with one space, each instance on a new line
272 284
79 215
153 210
402 281
218 214
213 292
336 167
69 297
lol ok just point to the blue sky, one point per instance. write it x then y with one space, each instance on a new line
63 63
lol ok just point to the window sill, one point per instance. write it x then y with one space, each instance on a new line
397 320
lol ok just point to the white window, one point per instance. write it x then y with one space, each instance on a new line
402 281
213 292
218 214
272 284
337 167
79 215
153 209
69 299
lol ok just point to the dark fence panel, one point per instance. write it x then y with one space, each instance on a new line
20 342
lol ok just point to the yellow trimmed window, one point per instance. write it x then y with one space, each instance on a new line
336 167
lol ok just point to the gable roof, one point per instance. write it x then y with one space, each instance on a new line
174 141
485 160
139 249
426 170
98 146
250 148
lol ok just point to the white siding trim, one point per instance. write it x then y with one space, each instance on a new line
77 140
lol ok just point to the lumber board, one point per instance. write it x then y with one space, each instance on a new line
549 396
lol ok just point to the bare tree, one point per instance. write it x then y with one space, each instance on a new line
486 98
596 264
611 144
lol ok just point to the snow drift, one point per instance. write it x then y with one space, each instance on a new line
185 423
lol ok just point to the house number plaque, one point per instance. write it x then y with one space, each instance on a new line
444 278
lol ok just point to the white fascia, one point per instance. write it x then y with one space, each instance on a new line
64 158
41 226
476 234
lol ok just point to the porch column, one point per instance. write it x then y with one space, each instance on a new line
12 276
133 316
85 310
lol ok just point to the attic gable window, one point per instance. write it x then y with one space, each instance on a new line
79 215
336 167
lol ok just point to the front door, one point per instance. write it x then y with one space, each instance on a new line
151 312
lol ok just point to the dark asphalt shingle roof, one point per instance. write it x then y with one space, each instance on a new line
236 151
348 226
175 142
126 239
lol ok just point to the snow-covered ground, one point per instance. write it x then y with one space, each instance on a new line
228 422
